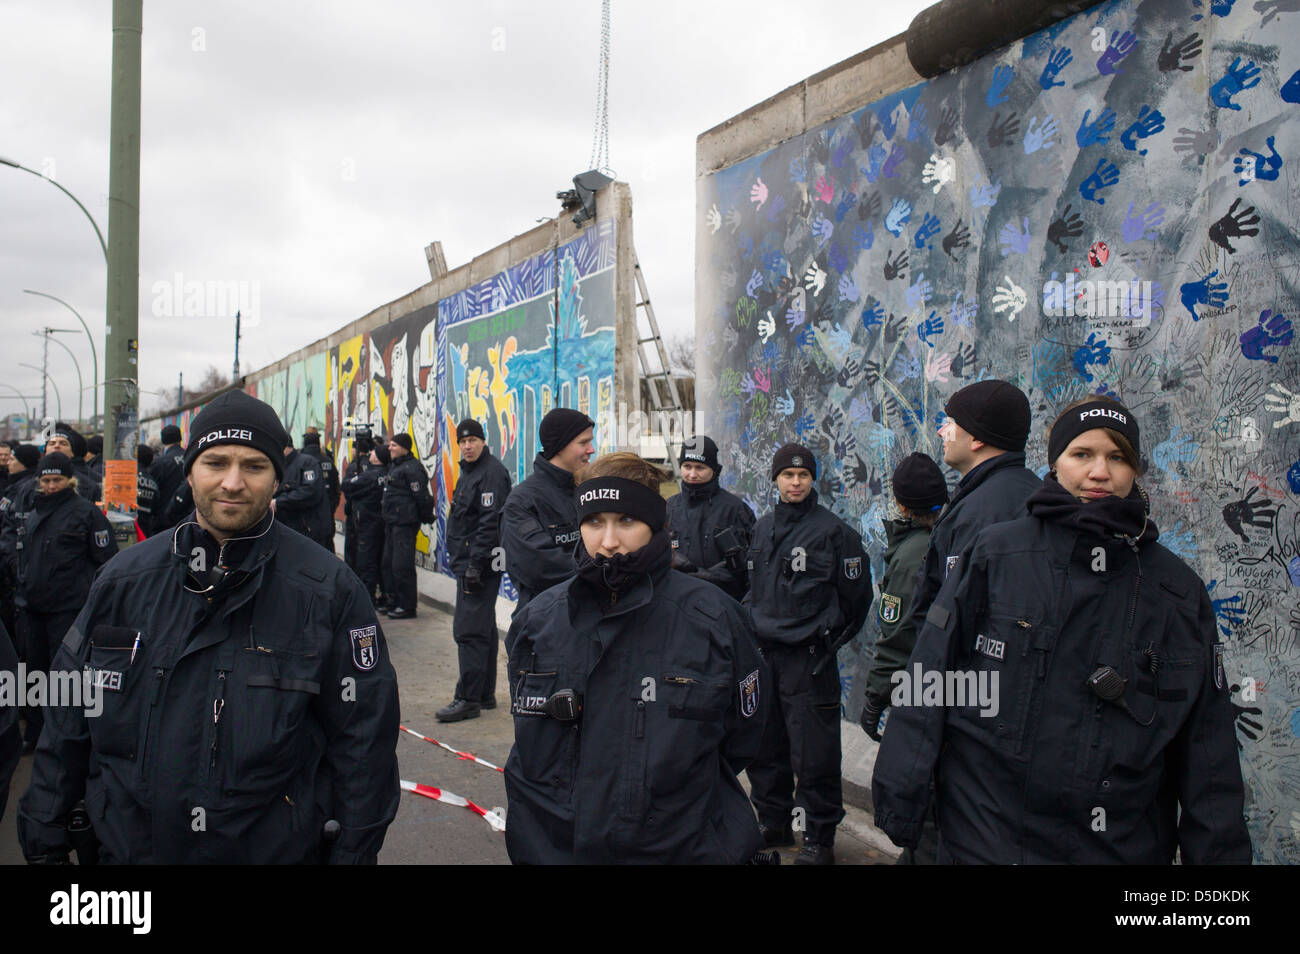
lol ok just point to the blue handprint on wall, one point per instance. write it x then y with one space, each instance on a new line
1059 60
1103 177
1204 292
998 83
1272 331
1096 132
1095 352
1149 122
1239 77
899 215
1253 165
1121 45
928 229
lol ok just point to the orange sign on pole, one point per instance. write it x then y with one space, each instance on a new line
119 485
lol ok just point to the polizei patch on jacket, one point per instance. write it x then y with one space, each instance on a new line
487 498
890 608
109 679
993 648
101 538
749 694
365 648
852 567
952 562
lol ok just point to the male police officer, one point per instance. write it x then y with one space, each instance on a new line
325 460
407 504
146 490
65 440
249 708
301 503
540 525
94 457
984 439
809 593
168 471
710 527
364 487
473 532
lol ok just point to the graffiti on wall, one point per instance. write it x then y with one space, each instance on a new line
1107 206
535 336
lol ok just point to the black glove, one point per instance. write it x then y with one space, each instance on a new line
473 581
681 563
871 713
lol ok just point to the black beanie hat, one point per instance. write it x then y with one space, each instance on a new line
919 485
238 418
95 445
171 434
74 438
995 412
55 463
311 437
402 440
29 455
470 428
794 455
381 451
143 455
1100 412
560 426
701 450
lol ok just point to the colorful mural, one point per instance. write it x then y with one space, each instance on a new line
1105 206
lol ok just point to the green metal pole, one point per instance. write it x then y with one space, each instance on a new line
121 335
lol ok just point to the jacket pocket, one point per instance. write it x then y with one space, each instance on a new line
996 685
260 717
689 697
546 747
112 683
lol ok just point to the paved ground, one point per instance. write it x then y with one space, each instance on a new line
426 831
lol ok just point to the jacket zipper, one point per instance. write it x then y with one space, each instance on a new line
218 705
159 675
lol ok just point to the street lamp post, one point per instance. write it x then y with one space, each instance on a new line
94 357
24 398
48 333
98 234
58 401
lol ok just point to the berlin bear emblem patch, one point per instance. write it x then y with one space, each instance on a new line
487 498
365 648
309 475
852 567
890 608
101 538
949 564
749 694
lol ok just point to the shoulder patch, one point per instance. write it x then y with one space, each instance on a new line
365 648
749 695
486 498
1220 678
309 474
415 486
891 608
852 567
949 564
101 538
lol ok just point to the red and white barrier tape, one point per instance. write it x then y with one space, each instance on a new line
438 795
467 756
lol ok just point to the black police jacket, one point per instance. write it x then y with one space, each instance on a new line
539 529
674 695
63 540
906 548
406 490
990 493
168 470
300 501
474 523
146 501
11 743
364 489
88 486
13 511
695 517
1056 775
328 471
248 715
809 578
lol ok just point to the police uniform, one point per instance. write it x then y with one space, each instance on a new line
146 500
364 489
696 517
62 540
406 492
669 696
473 534
10 740
810 591
330 474
539 529
1051 773
168 471
248 698
301 502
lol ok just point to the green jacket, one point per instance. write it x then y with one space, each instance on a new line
903 556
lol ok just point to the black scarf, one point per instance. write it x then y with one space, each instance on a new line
44 501
786 515
620 571
698 492
1112 516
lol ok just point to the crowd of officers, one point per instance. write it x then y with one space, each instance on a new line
657 648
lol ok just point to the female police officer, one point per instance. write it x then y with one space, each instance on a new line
637 696
1107 736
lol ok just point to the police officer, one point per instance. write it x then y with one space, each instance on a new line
710 527
300 502
407 504
250 713
810 590
364 488
358 461
540 524
168 470
95 457
11 742
6 455
13 509
984 438
61 542
146 490
473 534
67 441
638 698
1102 728
325 460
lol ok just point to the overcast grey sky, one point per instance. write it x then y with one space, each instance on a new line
311 150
